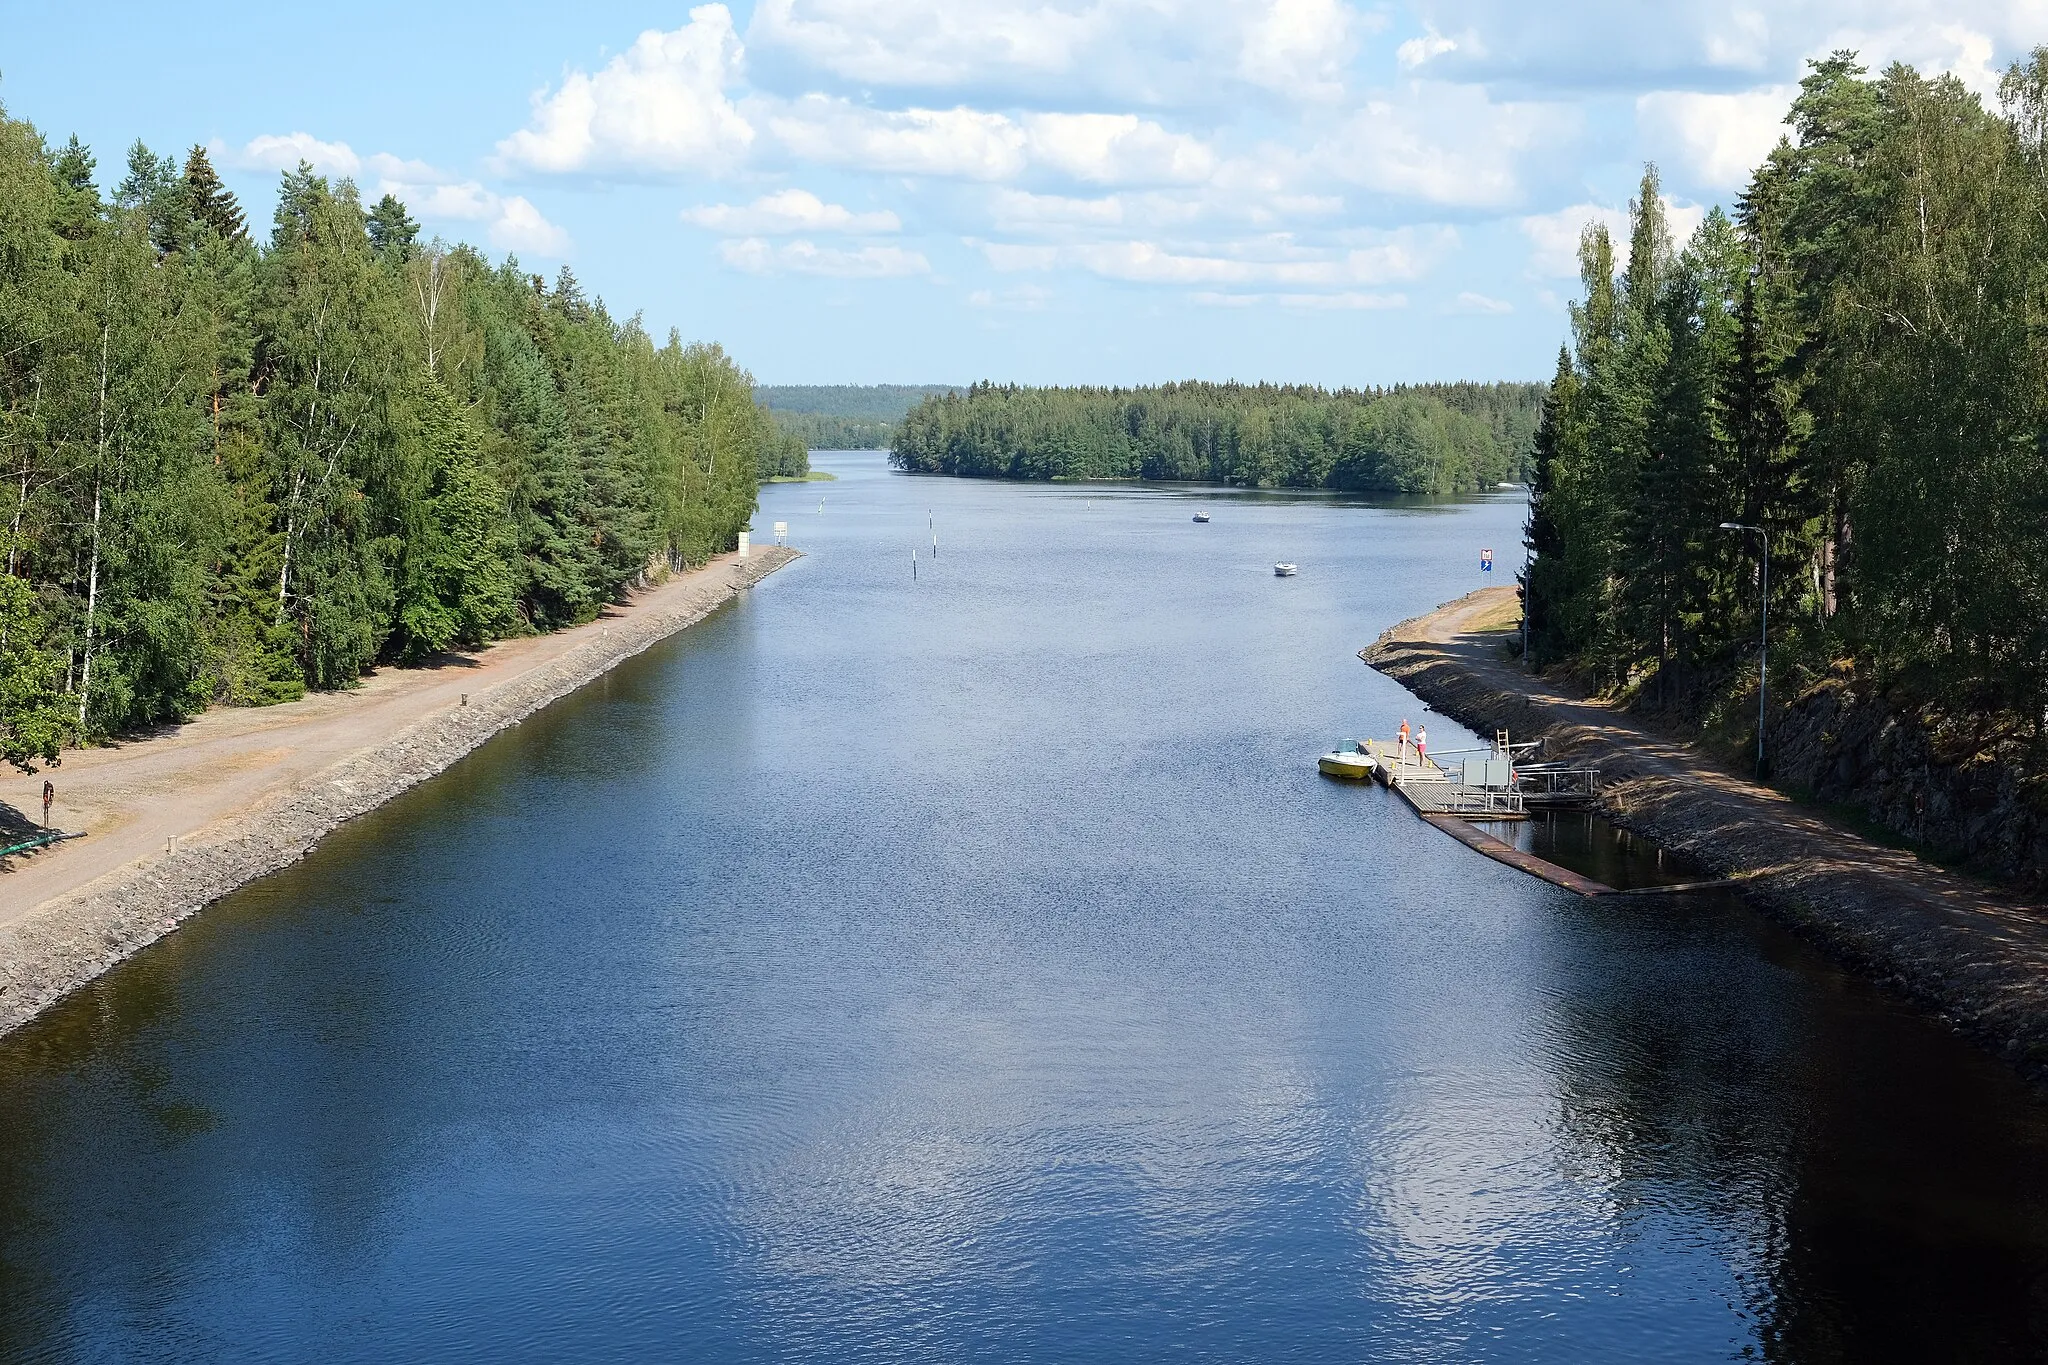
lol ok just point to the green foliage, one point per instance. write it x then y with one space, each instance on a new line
1855 365
230 471
824 431
782 455
210 202
392 231
33 717
455 580
843 416
1420 439
851 402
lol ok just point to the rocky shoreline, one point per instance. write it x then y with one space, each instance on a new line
1973 953
80 935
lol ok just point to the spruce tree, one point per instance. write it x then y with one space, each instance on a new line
212 203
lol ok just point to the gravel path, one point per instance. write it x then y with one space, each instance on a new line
1973 953
176 821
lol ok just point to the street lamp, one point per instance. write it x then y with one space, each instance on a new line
1763 676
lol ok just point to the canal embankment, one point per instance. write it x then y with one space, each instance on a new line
176 820
1974 953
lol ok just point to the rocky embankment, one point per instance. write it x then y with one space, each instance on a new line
1971 952
1943 780
78 936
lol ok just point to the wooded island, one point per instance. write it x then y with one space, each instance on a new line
1428 438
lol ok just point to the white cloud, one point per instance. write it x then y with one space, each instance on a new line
1298 47
1151 53
1401 256
1447 144
1116 149
959 142
518 226
661 105
1698 44
510 223
275 152
928 43
1720 139
1469 302
1554 237
974 144
790 210
1348 301
1417 51
758 257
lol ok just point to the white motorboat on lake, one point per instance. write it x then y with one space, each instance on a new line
1283 571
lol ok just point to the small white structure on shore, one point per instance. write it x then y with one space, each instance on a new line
745 537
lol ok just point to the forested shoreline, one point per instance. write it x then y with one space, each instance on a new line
842 416
1428 438
236 469
1855 364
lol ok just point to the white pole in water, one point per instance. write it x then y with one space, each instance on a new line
913 566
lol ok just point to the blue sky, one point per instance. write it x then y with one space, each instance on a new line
1047 191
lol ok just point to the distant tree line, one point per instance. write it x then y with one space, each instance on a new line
1856 364
843 416
1428 438
232 469
824 431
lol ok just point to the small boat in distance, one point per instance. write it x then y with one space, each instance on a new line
1283 571
1201 516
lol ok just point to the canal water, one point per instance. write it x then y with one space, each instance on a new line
974 966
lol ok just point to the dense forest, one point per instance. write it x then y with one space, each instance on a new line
843 416
1429 438
1855 363
235 469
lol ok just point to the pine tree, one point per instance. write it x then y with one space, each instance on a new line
392 233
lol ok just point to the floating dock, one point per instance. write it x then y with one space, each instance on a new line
1501 851
1496 783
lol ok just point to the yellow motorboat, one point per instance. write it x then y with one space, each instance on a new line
1354 765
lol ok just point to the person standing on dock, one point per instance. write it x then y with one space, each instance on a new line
1401 740
1422 745
49 795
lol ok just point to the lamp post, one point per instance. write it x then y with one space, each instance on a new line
1763 676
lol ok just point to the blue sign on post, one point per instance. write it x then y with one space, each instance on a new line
1486 561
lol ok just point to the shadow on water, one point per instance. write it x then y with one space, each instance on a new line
1886 1222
